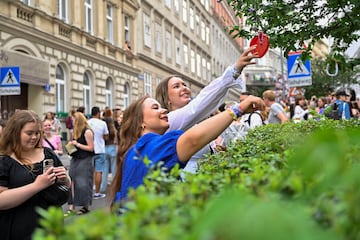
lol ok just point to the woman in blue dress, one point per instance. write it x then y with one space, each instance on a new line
143 135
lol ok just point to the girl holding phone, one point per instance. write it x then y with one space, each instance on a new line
22 176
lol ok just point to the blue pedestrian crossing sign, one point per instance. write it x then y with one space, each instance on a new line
299 72
10 81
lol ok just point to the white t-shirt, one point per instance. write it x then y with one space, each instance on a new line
100 129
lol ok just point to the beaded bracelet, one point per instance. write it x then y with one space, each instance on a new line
235 112
232 114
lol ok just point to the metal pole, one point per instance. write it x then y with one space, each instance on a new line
282 74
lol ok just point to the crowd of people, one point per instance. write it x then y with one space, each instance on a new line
172 129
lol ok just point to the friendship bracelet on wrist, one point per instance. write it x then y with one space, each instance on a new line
237 110
232 114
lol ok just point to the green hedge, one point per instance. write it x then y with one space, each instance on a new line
291 181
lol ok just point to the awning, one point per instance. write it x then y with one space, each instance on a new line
33 70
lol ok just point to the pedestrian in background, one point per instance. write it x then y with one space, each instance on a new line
110 153
117 117
51 140
81 168
69 123
54 123
22 175
298 110
2 125
101 133
277 114
343 107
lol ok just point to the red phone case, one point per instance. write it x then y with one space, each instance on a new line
262 42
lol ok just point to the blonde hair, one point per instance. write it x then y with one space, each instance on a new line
80 124
270 95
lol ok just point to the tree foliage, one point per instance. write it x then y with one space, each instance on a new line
323 83
292 21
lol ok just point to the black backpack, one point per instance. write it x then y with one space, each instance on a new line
248 121
331 111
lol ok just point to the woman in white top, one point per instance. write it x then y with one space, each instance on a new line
299 113
184 112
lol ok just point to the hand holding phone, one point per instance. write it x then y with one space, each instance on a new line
47 163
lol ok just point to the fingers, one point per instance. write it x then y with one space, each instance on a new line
50 170
249 50
252 103
245 58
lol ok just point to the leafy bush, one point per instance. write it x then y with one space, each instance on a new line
291 181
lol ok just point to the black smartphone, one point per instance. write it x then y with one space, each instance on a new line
47 163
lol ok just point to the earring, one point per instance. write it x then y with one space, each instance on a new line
142 127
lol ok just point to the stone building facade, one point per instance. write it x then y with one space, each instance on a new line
105 53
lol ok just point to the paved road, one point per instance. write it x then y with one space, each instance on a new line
97 203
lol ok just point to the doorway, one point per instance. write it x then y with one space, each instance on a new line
10 103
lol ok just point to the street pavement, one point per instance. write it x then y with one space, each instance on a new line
97 203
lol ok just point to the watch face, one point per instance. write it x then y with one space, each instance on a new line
236 74
262 42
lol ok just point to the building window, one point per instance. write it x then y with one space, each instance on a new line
203 63
208 66
148 83
192 61
191 18
127 28
60 89
203 35
207 35
198 65
207 5
168 3
108 93
158 36
88 16
86 92
147 30
178 51
126 95
168 44
27 2
197 24
176 6
185 11
62 9
186 56
109 23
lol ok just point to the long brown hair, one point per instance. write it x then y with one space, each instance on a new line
130 132
10 141
162 92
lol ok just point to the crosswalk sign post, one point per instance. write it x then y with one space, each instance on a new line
10 81
299 72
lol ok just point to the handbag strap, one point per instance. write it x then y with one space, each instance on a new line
53 148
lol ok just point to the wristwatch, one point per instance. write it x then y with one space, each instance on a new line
236 73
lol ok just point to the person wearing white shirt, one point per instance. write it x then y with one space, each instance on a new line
101 133
299 113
